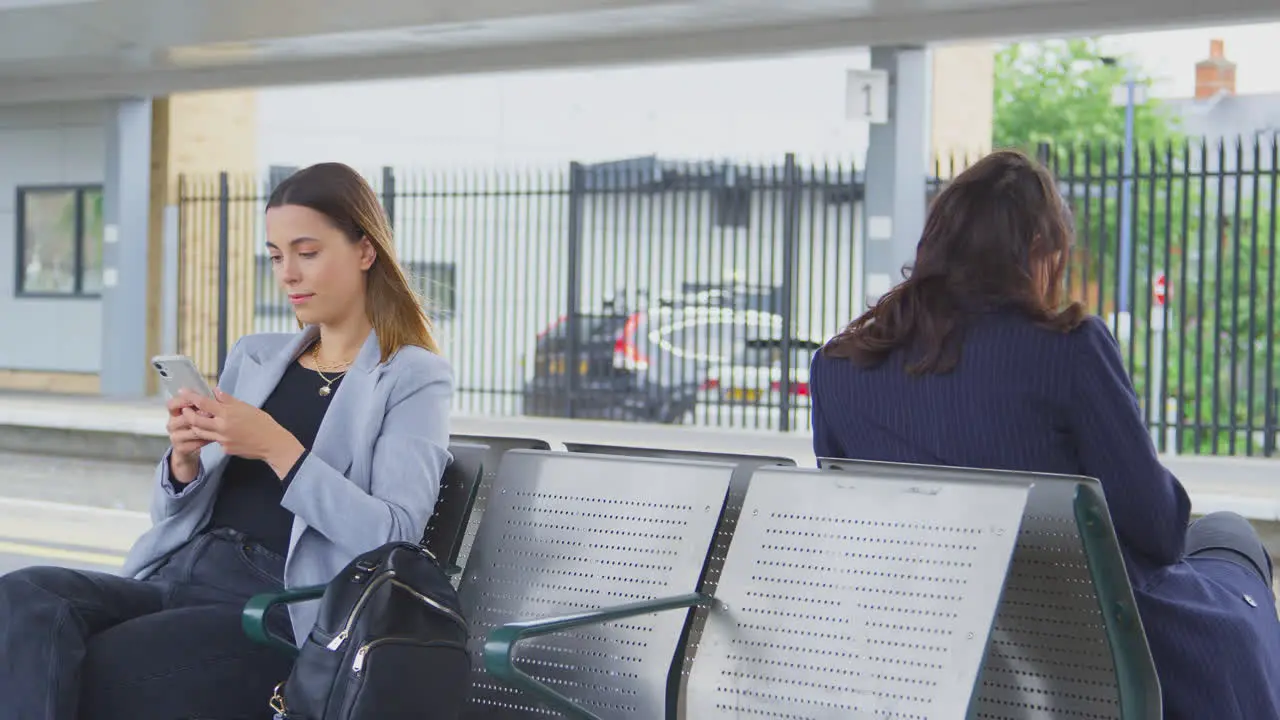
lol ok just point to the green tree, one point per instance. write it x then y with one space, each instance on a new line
1218 344
1062 92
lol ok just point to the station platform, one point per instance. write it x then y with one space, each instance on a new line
94 427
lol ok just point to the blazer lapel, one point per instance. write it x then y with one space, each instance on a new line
340 426
257 383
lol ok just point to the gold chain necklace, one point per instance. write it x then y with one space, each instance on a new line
327 388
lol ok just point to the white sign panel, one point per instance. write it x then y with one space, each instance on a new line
867 96
880 227
878 284
1120 94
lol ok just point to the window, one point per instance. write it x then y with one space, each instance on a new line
59 241
434 282
732 206
277 174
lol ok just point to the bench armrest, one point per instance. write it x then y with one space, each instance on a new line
253 619
500 645
1136 679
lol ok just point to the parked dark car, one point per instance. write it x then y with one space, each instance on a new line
661 364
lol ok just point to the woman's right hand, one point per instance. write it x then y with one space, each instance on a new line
184 461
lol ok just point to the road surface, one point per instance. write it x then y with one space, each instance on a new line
70 512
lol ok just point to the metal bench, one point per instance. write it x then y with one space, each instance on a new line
442 538
838 595
1067 641
745 466
855 596
498 447
564 536
1046 626
458 489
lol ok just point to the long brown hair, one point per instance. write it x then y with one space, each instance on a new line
342 195
997 237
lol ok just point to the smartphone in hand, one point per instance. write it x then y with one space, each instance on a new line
179 372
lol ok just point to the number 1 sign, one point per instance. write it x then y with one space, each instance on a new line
867 96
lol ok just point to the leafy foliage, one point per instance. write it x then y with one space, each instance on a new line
1220 360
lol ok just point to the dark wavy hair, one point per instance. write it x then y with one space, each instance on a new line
997 237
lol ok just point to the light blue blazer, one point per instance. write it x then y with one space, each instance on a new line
372 477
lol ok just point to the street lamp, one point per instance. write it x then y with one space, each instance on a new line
1129 95
1126 94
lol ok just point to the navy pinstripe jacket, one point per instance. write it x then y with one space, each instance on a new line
1027 398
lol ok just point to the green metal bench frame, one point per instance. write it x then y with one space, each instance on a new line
1136 678
469 461
500 646
254 617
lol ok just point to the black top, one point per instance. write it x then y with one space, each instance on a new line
250 495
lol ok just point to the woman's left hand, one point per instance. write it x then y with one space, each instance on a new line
243 430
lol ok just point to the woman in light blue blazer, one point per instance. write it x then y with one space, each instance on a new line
317 446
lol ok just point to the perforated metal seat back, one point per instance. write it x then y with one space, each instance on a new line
458 488
747 460
1049 654
746 466
498 447
566 533
848 595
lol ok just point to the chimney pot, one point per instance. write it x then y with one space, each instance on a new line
1215 75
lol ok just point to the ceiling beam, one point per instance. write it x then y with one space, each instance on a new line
1065 17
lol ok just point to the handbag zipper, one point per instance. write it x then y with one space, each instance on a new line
357 665
341 637
428 601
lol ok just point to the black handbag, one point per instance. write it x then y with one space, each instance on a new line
389 643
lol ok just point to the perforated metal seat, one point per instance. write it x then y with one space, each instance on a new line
571 533
498 446
458 487
855 596
1067 641
745 466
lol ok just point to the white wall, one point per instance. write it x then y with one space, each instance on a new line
442 133
46 145
742 109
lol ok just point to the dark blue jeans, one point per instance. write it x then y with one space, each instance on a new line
90 646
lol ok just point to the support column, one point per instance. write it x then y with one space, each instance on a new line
897 155
125 254
199 135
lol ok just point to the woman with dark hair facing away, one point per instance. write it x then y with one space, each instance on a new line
318 446
976 360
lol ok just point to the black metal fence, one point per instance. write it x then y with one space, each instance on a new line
1179 253
695 292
